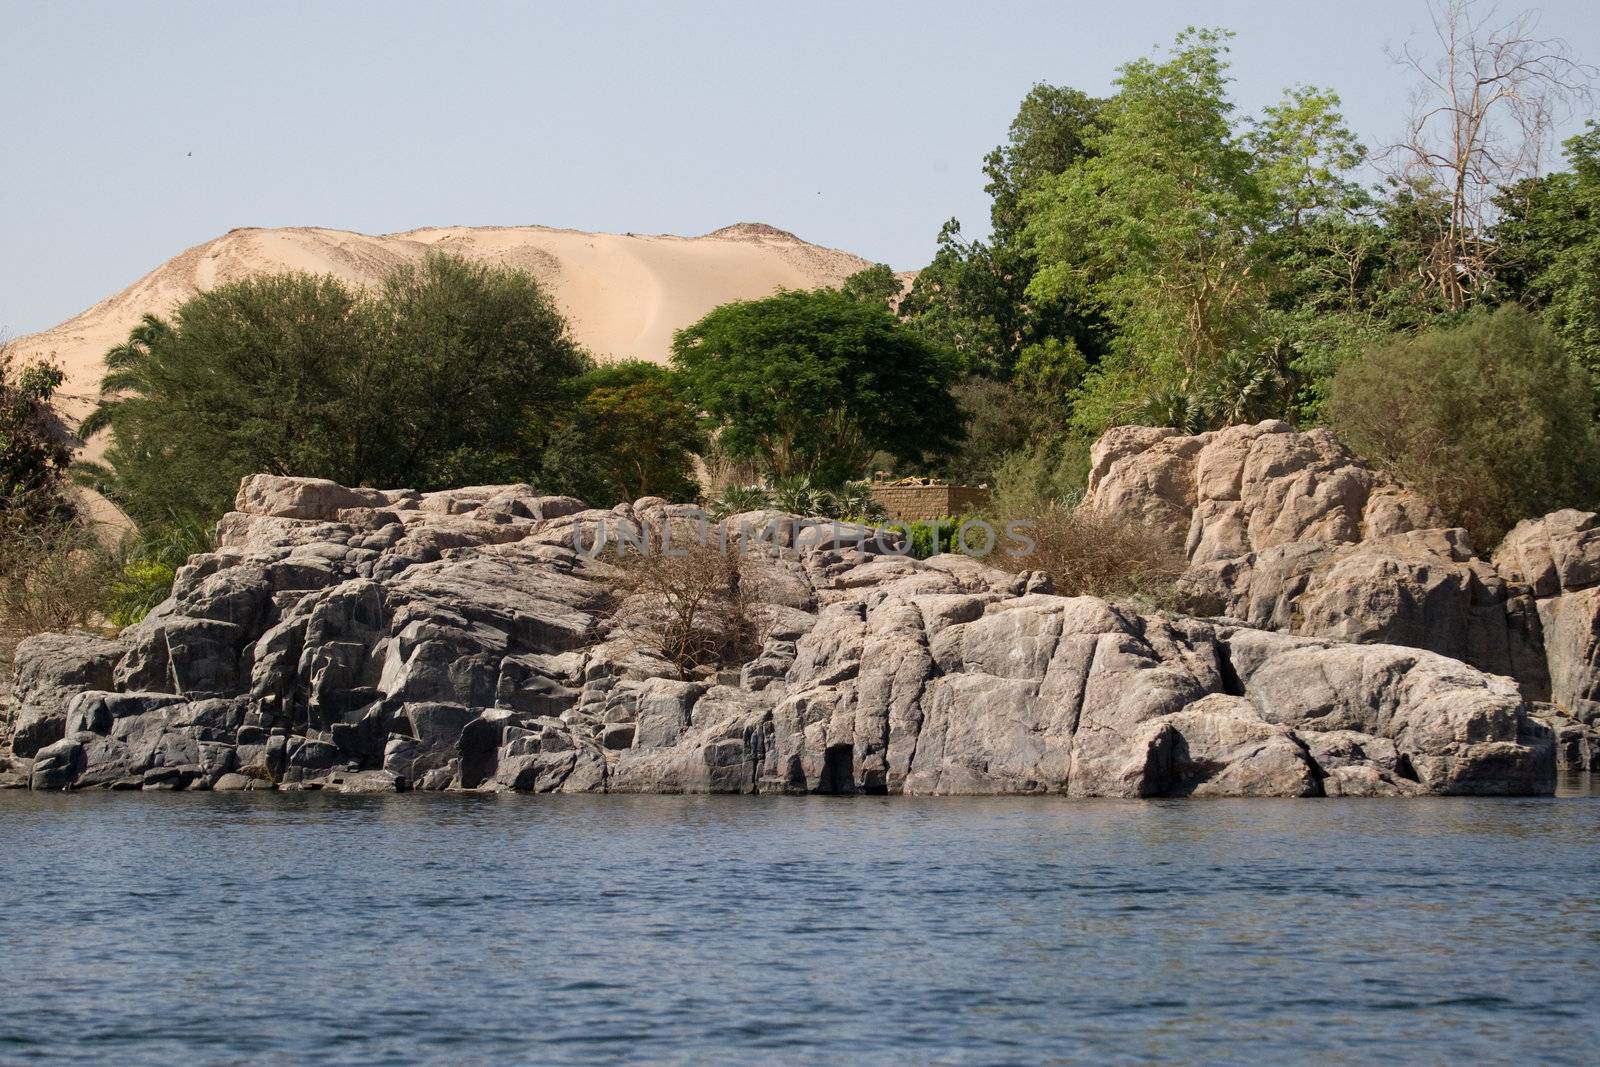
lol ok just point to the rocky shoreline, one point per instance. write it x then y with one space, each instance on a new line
377 641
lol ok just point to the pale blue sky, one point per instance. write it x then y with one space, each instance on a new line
854 124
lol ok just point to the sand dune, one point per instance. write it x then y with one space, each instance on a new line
624 294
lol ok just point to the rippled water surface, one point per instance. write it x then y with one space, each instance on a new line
242 928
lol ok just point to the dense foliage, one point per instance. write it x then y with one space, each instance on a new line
452 374
33 451
1491 419
1548 246
629 435
1159 257
815 383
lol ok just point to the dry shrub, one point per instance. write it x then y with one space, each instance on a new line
1088 552
688 606
52 577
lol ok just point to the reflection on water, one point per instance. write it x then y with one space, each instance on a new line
1578 784
255 927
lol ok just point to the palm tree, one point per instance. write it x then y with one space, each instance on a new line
127 372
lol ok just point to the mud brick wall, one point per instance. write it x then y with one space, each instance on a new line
913 503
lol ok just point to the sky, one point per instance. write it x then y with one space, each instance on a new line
131 131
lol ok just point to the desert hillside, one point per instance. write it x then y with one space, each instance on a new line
624 294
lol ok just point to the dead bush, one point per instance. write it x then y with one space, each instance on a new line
53 576
1087 552
687 605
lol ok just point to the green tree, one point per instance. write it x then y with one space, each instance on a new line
999 419
815 383
475 357
974 298
1165 222
874 285
33 451
258 375
452 374
1548 247
630 435
1491 419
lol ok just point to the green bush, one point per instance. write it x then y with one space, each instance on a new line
145 566
1049 471
947 530
1491 419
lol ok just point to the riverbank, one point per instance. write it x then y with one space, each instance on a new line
1332 641
363 640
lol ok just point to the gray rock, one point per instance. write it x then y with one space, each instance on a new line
51 670
456 639
365 782
57 766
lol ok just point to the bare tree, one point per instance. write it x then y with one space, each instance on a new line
1482 118
689 605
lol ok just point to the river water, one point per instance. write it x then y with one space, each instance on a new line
261 928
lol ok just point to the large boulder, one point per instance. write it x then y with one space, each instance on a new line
51 670
1287 531
1556 559
302 498
1244 489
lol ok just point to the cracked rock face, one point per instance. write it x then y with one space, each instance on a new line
1286 531
361 640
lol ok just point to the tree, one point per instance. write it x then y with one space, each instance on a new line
452 374
1547 247
1491 419
1155 226
477 357
874 285
815 383
973 298
1167 223
257 375
1480 122
998 418
33 450
630 435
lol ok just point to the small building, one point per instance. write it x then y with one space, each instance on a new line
921 499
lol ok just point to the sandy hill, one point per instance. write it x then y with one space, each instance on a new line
624 294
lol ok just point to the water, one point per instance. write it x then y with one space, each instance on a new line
245 928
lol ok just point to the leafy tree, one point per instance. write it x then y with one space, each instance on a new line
630 435
874 285
1156 224
1548 247
258 375
816 382
999 419
473 359
1491 419
33 452
974 298
451 374
1164 225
